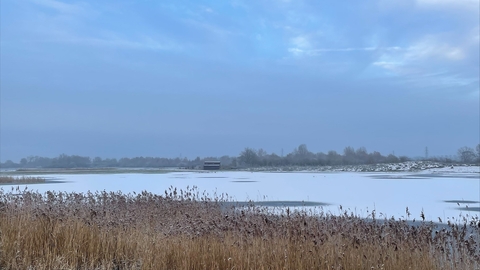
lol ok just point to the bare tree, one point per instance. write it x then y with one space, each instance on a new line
362 155
466 154
333 158
261 153
392 159
302 151
249 156
349 155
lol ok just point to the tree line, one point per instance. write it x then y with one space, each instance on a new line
469 155
75 161
249 157
301 156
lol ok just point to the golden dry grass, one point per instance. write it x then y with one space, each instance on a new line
186 230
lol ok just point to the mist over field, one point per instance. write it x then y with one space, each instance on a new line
200 78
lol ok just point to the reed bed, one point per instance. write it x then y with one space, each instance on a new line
189 230
20 180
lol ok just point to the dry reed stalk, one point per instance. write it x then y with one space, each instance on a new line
186 230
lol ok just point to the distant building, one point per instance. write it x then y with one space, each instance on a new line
211 165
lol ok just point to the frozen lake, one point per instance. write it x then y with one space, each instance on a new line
439 194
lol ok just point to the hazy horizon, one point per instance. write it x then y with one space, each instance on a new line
209 78
279 153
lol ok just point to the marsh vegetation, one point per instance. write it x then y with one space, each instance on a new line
11 180
191 230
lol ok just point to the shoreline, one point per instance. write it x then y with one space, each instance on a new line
409 166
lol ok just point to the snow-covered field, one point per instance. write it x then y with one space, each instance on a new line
408 166
442 193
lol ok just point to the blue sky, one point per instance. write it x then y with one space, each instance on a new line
208 78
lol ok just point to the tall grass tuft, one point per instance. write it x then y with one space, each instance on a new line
189 230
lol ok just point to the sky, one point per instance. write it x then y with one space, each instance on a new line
209 78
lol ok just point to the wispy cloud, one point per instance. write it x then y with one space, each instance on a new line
313 52
464 4
77 24
208 27
144 43
425 51
61 7
428 48
302 42
432 60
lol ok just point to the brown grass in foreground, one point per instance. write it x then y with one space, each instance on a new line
187 230
20 180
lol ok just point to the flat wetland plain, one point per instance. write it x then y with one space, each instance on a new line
167 219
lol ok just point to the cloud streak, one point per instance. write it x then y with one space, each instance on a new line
60 7
298 51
